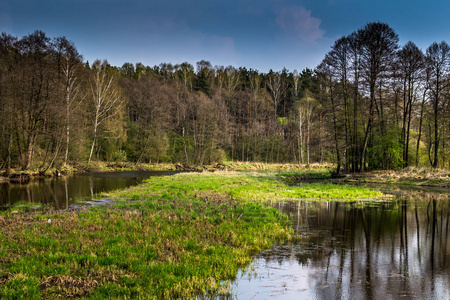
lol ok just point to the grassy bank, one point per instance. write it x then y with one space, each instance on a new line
171 237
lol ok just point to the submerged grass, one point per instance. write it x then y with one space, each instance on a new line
176 236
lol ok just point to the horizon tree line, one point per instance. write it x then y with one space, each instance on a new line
370 104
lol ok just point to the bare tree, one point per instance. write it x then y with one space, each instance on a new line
335 66
105 98
296 84
232 78
69 61
307 105
327 84
7 70
277 87
378 45
299 115
35 90
411 64
438 60
185 73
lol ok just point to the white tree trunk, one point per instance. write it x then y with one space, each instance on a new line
300 137
106 99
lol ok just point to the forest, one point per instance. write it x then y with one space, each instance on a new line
370 104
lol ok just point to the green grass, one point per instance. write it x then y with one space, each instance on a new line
176 236
21 206
261 187
168 246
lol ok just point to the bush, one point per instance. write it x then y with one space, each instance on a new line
119 155
218 156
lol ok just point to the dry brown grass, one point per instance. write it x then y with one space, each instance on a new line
421 176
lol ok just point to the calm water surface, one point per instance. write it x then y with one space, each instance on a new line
398 249
62 192
390 250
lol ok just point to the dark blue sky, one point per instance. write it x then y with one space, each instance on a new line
263 35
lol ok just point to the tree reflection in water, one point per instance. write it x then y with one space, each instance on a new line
62 192
386 250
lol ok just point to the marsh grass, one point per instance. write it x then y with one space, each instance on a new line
276 167
168 246
178 236
254 186
23 206
417 176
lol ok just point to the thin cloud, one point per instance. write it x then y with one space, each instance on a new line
298 21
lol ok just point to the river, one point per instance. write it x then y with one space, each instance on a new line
397 249
394 249
64 192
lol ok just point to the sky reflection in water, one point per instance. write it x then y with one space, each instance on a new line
390 250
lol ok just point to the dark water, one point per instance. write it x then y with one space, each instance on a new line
62 192
390 250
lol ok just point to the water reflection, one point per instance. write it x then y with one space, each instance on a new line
396 249
63 191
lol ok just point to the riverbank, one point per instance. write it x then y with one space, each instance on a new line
98 166
426 177
20 176
172 237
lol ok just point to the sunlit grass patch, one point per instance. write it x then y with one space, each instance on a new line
248 186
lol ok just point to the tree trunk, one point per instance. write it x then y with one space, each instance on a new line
420 127
436 133
30 151
300 137
366 137
408 126
405 112
338 157
94 140
308 140
66 155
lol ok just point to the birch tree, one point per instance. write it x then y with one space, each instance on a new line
299 112
69 61
105 98
277 87
232 78
307 106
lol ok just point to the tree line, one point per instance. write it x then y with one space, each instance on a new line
370 104
389 104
